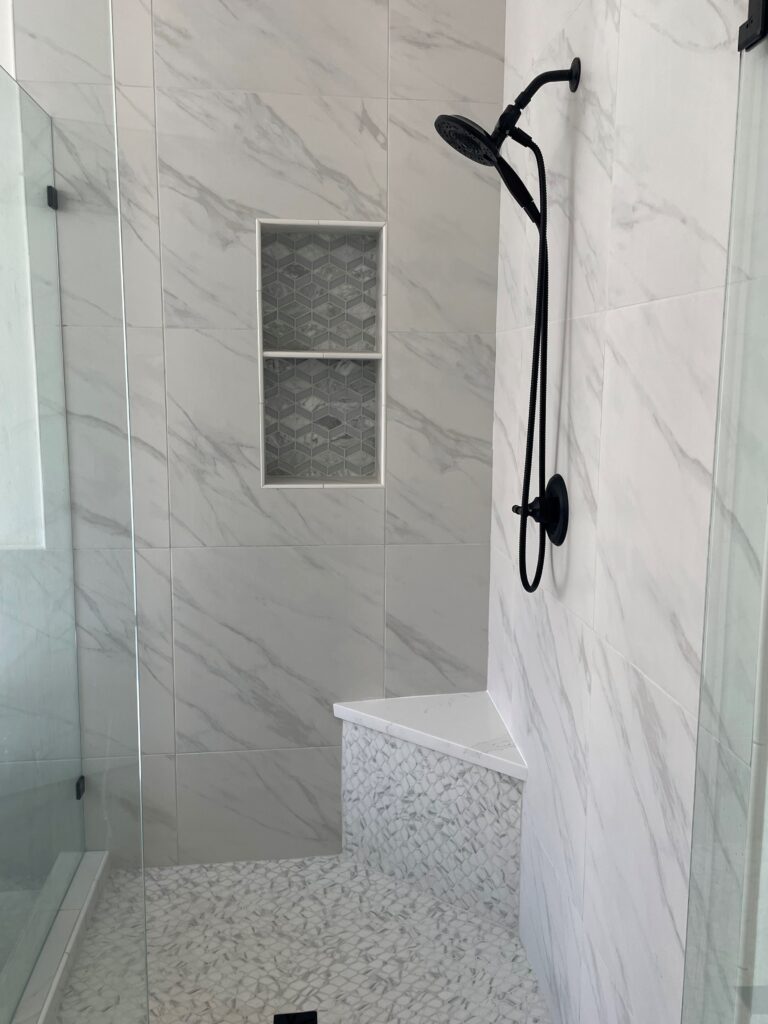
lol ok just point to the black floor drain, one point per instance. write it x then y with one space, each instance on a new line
309 1017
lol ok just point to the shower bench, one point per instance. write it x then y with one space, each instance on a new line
432 791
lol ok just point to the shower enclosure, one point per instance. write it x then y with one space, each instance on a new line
727 949
65 568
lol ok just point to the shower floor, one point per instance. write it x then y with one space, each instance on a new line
237 943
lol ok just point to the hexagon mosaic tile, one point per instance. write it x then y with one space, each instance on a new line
320 419
319 290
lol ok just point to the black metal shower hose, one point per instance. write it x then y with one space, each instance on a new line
538 386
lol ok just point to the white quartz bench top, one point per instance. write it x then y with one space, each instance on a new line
464 725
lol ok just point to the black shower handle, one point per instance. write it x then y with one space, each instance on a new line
517 188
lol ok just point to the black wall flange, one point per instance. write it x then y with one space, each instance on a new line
553 512
755 28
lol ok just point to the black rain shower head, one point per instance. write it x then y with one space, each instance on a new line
473 141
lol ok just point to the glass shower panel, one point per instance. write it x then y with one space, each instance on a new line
727 950
41 821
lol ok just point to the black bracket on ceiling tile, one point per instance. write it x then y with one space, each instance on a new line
755 27
307 1017
52 197
80 788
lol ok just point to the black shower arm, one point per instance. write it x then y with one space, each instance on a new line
511 115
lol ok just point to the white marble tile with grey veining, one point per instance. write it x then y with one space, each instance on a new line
155 621
104 605
132 33
149 455
266 639
112 808
510 410
328 48
540 678
450 51
641 765
69 43
574 417
439 422
158 807
87 221
672 175
227 158
659 410
466 726
576 134
139 206
94 368
215 477
437 616
443 225
551 930
259 805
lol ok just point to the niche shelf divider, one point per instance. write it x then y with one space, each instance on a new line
321 302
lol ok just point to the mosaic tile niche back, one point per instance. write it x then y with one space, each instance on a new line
320 295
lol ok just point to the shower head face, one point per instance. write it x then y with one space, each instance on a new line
467 138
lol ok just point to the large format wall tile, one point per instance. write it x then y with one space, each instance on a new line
259 805
87 221
139 206
576 134
642 749
443 224
574 416
149 456
94 365
660 395
540 677
447 50
104 606
132 40
672 175
58 43
328 47
158 806
439 412
155 632
112 808
437 613
266 639
215 479
551 929
229 157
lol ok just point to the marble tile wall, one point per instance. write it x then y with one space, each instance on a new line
597 675
260 607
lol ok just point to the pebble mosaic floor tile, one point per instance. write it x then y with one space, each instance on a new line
237 943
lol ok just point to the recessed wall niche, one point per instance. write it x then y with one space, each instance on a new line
322 308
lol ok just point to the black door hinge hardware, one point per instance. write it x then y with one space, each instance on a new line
52 195
755 27
80 788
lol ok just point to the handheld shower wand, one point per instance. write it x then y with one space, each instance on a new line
550 508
